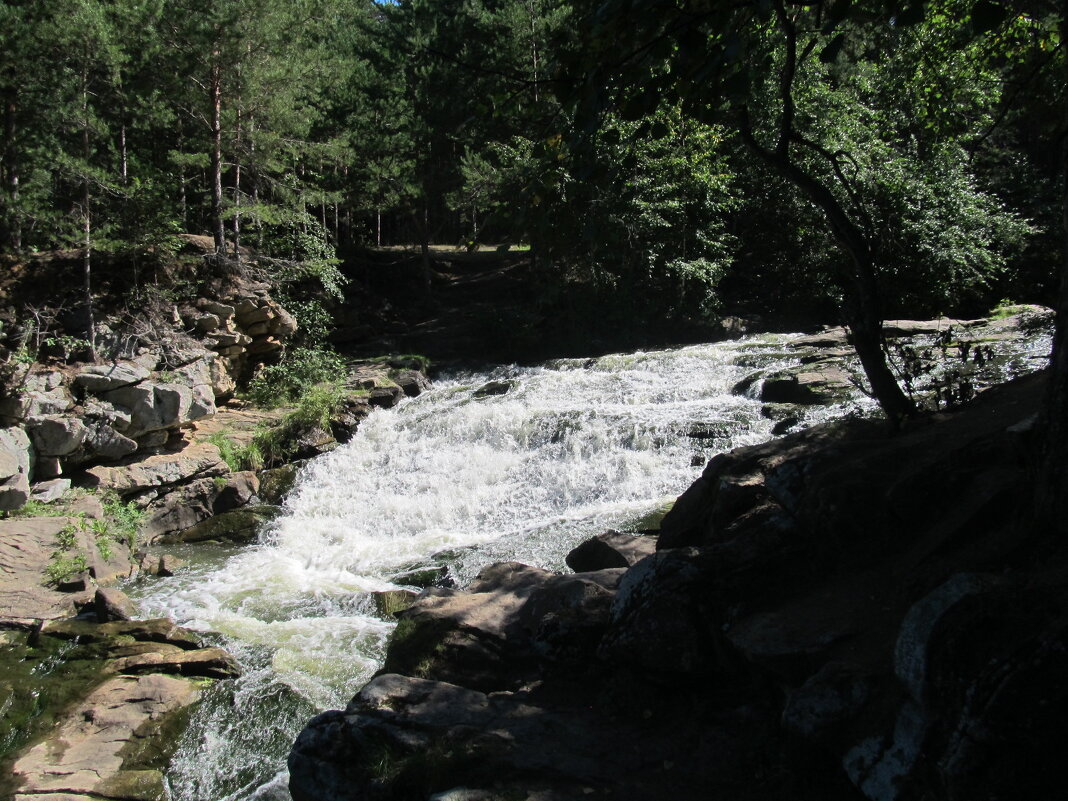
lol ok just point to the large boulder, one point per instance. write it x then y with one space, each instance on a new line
14 468
56 435
153 407
42 392
98 378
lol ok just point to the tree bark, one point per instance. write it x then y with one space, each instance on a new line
215 86
123 159
863 315
87 239
424 249
13 232
237 191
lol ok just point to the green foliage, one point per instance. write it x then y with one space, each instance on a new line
34 508
237 456
120 524
315 408
124 519
67 560
640 217
289 380
1006 308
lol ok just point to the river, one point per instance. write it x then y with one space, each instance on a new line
457 479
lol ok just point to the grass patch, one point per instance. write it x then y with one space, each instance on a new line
1006 308
316 407
123 520
238 457
120 524
34 508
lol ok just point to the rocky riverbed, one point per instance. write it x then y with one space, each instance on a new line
546 641
838 614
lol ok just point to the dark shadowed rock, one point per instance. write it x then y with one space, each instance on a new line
238 526
492 388
611 549
411 382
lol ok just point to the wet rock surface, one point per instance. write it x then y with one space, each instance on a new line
817 622
90 763
940 362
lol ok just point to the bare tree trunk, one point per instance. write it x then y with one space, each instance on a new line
237 191
11 172
533 45
124 174
217 229
424 249
378 228
87 239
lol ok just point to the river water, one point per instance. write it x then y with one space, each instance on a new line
454 478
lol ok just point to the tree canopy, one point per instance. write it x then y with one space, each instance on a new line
672 160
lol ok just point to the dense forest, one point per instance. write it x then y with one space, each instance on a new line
615 149
845 161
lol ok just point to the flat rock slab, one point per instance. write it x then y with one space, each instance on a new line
212 663
83 759
26 547
197 460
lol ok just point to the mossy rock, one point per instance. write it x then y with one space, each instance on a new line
239 526
419 773
650 521
416 645
121 632
492 388
278 482
150 751
423 577
38 683
135 785
390 602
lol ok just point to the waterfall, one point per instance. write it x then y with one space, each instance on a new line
460 477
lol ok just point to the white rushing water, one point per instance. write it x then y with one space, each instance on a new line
449 479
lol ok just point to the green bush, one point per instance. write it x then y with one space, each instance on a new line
289 380
123 520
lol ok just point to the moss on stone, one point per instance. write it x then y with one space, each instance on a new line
38 684
389 603
415 646
135 785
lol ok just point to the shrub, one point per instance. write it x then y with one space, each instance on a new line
316 407
289 380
